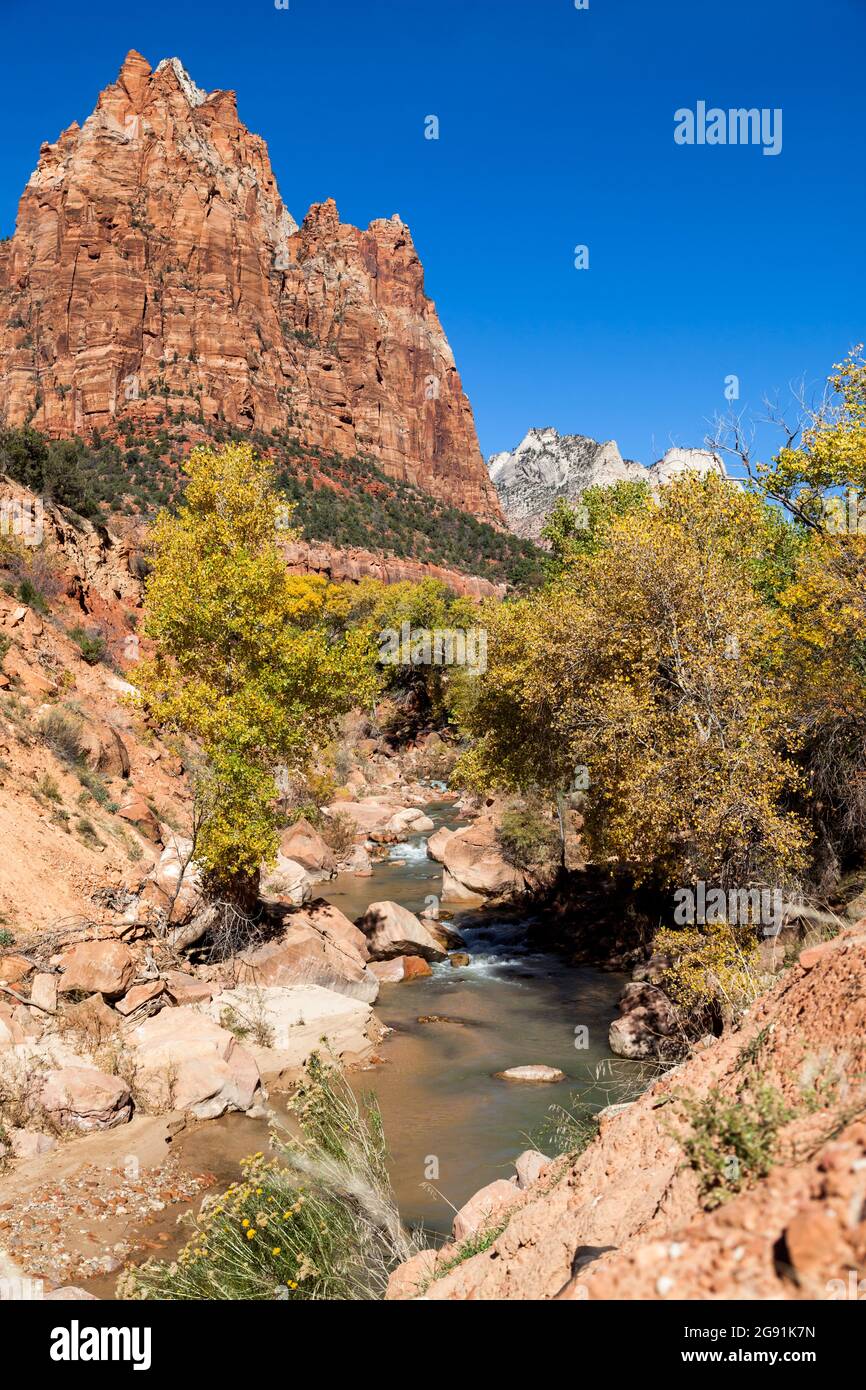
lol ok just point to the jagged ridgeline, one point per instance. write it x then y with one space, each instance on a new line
154 263
347 502
157 293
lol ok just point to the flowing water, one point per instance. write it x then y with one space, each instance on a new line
451 1124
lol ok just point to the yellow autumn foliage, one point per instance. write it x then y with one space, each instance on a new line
240 666
648 662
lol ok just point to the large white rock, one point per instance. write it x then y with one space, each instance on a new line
410 821
289 1023
677 461
188 1062
534 1072
392 930
547 465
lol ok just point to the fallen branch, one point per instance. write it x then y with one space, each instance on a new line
31 1003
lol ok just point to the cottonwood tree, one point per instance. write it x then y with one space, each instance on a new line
648 661
234 668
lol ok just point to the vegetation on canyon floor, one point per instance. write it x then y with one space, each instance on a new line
698 654
702 657
318 1221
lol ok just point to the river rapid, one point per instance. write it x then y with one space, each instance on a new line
451 1124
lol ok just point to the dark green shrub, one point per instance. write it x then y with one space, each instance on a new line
527 838
33 597
91 644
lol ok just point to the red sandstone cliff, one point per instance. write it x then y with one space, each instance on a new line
154 263
351 566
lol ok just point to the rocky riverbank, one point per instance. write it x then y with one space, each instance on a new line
740 1173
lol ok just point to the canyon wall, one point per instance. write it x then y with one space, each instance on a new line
154 264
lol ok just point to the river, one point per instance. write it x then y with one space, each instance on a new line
452 1126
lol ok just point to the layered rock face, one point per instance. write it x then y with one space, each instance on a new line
547 465
354 565
155 264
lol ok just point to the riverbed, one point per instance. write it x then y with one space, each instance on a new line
451 1124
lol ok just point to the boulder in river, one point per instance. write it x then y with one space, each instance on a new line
357 862
411 820
648 1023
535 1072
398 968
392 930
437 842
447 937
475 867
319 946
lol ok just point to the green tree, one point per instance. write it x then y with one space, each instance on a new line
233 667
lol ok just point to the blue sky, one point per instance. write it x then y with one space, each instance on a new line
556 129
